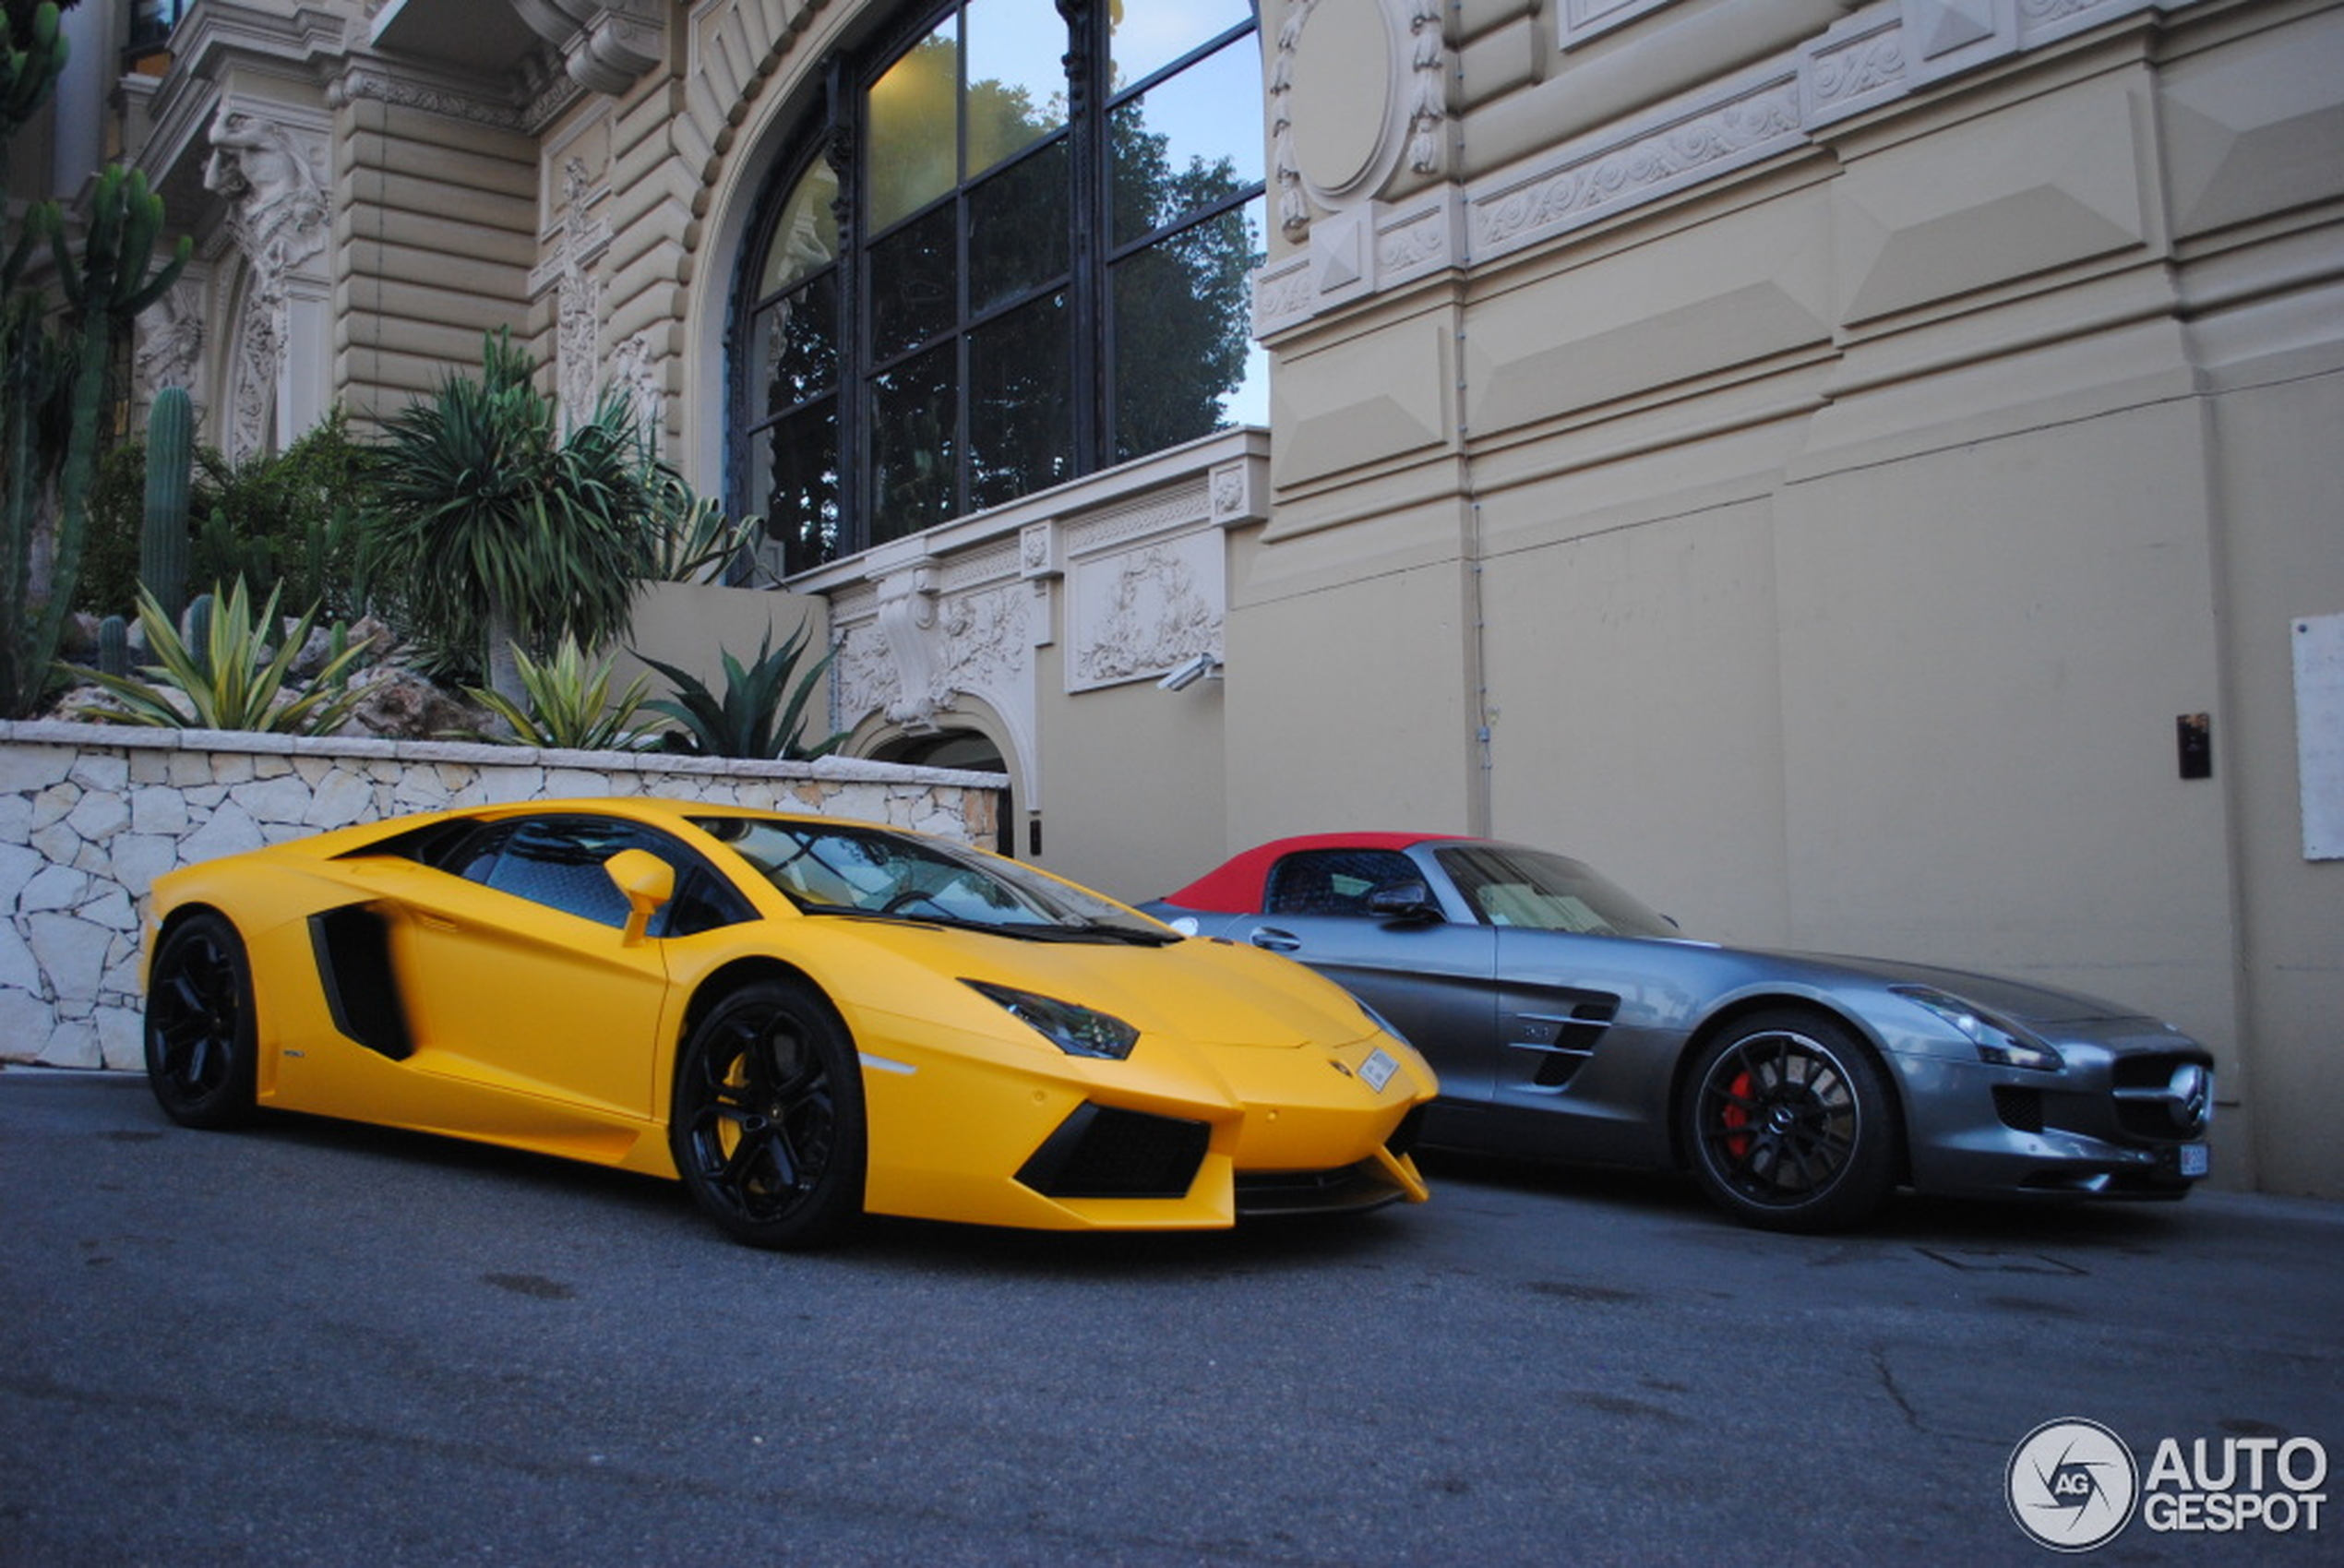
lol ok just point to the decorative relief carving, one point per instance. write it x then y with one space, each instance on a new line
1146 611
1283 295
1037 551
578 297
1617 176
635 370
1188 504
921 650
279 220
973 567
383 87
1839 77
1428 87
1294 209
170 351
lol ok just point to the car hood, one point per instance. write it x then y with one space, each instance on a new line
1208 992
2019 1001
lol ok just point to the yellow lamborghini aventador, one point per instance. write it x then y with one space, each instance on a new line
804 1019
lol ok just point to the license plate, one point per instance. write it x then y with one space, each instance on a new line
2196 1159
1377 1070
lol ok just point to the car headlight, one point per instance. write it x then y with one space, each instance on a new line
1997 1040
1078 1031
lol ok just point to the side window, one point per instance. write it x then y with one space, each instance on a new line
557 861
1334 881
704 901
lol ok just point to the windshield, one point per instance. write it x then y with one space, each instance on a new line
835 869
1539 891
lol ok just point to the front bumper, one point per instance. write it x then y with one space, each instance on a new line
2127 1117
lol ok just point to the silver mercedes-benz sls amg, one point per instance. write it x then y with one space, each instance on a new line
1567 1022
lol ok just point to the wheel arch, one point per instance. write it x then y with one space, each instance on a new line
728 977
1723 1022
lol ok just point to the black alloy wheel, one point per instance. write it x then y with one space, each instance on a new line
767 1124
1789 1124
200 1039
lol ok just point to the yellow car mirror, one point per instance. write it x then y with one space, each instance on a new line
647 881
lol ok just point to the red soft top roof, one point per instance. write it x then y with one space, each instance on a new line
1234 887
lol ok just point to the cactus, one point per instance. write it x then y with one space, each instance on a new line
194 630
114 646
58 367
162 538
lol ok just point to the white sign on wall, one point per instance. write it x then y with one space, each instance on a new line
2319 733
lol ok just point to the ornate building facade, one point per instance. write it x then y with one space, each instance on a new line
1863 471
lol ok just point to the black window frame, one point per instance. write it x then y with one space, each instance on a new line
835 130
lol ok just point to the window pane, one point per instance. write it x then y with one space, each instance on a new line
1187 142
912 128
1018 229
1150 34
1183 332
805 238
796 485
1016 80
1022 402
914 407
913 296
797 345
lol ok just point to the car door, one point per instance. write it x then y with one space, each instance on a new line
1431 979
526 1015
521 974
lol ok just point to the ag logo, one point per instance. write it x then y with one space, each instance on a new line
2072 1485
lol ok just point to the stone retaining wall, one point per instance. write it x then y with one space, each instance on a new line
90 815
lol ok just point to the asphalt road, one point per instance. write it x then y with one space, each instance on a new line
315 1343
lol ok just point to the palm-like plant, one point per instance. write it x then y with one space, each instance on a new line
692 540
232 681
569 706
762 714
491 533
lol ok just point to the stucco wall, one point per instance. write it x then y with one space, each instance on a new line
90 817
1828 460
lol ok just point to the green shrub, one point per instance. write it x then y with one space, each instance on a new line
232 681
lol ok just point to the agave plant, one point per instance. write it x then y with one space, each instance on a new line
569 706
762 714
232 680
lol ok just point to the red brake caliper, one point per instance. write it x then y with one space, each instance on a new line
1733 1116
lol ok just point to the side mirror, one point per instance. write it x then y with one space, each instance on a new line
1410 902
647 881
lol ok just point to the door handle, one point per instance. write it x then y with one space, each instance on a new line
1274 940
435 922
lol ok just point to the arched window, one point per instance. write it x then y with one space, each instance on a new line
1013 247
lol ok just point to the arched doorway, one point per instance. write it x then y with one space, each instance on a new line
969 750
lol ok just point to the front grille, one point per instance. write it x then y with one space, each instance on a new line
2163 1099
2019 1109
1101 1151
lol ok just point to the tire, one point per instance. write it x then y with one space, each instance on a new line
200 1037
767 1124
1789 1125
